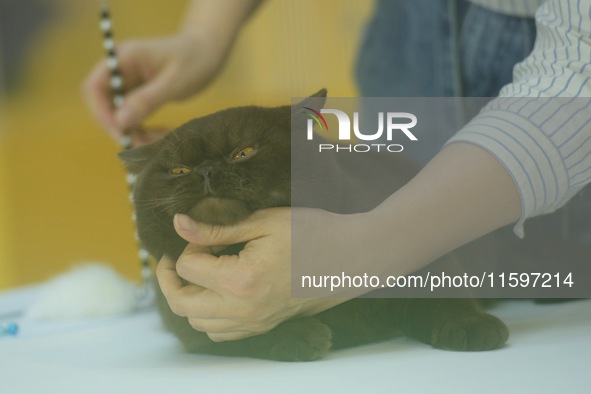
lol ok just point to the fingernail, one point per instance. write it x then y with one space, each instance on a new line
184 222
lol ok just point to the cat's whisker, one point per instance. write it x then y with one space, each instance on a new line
175 134
178 202
154 204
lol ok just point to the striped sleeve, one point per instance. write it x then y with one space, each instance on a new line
539 127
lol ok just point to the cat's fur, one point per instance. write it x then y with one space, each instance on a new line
223 190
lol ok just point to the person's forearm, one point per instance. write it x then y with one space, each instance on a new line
462 194
224 18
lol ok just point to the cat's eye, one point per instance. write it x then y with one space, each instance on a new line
180 170
243 153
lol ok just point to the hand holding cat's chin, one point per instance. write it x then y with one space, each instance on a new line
235 296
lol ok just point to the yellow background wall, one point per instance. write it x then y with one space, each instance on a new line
6 269
63 197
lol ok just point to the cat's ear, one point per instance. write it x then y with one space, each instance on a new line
300 111
315 101
135 159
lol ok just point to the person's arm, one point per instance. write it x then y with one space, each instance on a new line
539 126
462 194
448 204
517 159
219 18
158 70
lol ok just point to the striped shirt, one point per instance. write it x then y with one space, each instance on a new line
539 127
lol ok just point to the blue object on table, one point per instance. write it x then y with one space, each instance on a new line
10 329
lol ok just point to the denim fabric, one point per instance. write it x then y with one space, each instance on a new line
440 48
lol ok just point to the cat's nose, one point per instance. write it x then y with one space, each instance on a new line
206 172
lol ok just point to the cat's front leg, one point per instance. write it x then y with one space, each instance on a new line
302 339
454 324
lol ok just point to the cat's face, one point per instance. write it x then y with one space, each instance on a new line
217 169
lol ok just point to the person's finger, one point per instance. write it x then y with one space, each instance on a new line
230 336
226 274
218 326
97 93
219 330
214 325
144 100
186 299
204 234
178 294
207 270
168 278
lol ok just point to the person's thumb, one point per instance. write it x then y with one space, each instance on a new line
209 235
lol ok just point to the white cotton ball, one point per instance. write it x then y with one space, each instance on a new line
86 291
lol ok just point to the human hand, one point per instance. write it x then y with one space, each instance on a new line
154 71
235 296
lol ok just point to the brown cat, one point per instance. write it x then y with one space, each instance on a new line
220 168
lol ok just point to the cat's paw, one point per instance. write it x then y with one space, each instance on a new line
305 339
470 333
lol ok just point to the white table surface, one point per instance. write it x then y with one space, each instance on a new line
549 351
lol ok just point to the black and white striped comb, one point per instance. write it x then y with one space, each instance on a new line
116 83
